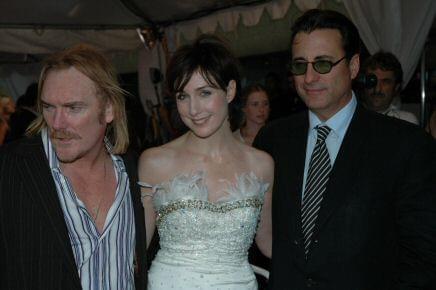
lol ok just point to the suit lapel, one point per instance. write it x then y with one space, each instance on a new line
39 182
347 165
296 166
288 153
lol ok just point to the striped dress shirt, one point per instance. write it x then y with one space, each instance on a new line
104 261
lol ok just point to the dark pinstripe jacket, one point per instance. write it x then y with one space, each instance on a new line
35 250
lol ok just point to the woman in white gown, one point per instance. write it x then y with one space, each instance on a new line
206 192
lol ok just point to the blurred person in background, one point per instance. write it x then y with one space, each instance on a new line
24 114
7 108
256 110
389 74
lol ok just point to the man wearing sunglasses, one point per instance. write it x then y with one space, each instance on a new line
354 202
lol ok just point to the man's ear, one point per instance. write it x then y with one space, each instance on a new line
231 91
354 65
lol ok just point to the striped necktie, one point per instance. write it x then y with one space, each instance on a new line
317 178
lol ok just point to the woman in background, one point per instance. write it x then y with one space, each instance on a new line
256 109
205 191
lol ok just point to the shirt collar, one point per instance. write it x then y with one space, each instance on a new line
339 122
389 109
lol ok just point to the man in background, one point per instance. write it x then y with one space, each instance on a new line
389 74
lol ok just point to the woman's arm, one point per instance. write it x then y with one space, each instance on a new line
148 175
264 232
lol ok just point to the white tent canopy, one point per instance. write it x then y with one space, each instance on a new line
35 27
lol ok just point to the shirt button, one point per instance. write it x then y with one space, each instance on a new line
315 241
296 242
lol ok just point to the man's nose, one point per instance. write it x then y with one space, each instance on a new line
58 121
311 75
378 87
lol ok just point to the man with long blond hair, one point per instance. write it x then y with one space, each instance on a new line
70 211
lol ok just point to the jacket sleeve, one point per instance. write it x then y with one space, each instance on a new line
416 216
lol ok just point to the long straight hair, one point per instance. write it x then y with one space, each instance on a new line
95 66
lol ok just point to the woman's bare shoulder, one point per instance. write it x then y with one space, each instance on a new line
259 161
158 162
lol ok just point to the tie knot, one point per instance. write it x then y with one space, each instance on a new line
323 132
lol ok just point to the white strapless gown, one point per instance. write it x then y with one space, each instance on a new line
204 245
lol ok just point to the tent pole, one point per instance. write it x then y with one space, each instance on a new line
423 95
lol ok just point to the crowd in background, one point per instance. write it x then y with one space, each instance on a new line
281 97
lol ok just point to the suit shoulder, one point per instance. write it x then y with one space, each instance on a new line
287 124
281 130
21 146
391 130
390 123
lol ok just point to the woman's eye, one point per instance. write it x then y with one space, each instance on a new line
180 97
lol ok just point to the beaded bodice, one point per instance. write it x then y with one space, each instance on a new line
191 227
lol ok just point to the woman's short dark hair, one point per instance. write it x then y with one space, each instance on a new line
208 55
321 19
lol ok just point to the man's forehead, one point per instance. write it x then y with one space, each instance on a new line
381 73
67 82
327 34
317 43
69 72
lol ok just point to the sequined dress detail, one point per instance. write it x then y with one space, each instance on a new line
204 245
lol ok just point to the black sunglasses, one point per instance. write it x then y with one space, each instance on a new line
320 66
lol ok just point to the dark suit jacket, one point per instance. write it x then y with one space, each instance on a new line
376 227
35 250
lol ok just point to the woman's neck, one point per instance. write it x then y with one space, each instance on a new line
213 144
249 131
